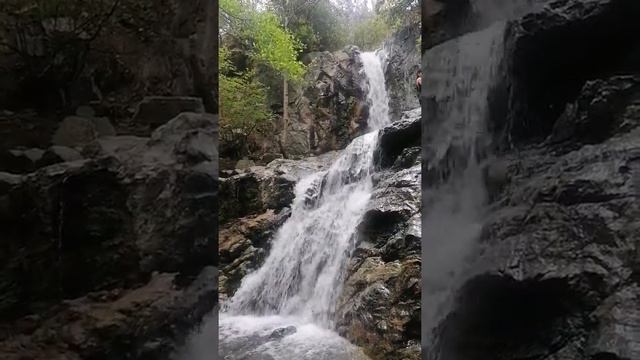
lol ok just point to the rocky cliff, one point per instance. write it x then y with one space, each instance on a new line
108 177
554 274
111 254
403 50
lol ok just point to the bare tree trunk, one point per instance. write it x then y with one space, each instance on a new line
285 110
285 97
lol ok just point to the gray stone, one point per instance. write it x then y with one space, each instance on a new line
103 126
244 164
75 131
155 111
57 154
20 161
85 111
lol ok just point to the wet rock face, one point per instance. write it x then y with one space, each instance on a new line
604 107
330 110
243 246
254 192
554 314
399 136
443 20
137 323
379 308
402 64
552 53
558 253
106 231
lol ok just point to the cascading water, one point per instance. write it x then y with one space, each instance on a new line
296 289
458 78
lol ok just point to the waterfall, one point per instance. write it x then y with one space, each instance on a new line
458 78
298 285
377 96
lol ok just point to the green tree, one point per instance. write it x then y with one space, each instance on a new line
399 13
270 42
370 33
244 108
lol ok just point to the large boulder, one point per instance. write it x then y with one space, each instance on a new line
244 244
400 135
261 188
75 131
380 307
563 247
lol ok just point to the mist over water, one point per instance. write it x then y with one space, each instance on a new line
296 290
458 77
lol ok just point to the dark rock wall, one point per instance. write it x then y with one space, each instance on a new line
126 237
555 273
552 53
379 308
402 64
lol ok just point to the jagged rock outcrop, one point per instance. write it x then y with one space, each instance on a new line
243 246
379 308
402 64
330 110
576 40
557 259
400 136
111 255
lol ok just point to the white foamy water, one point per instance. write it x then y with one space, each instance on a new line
300 281
377 96
459 75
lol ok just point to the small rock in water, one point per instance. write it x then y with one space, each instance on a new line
282 332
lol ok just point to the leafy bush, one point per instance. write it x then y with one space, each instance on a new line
244 109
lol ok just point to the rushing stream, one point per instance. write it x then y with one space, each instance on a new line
284 309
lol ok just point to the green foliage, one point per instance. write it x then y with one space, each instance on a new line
277 47
399 13
369 34
269 41
318 24
244 109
